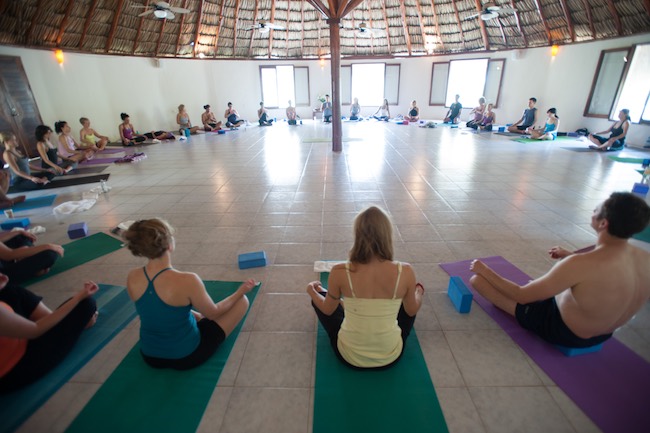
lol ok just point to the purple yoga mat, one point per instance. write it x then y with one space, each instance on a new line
97 161
611 386
110 151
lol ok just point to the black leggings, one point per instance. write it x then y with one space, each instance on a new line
24 269
22 184
47 351
211 338
332 325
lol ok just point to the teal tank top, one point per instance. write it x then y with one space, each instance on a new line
165 331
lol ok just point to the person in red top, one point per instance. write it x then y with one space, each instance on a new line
35 339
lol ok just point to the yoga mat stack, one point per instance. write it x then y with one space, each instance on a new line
612 386
115 311
138 398
398 399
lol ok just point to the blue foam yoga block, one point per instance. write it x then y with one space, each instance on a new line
460 295
16 222
221 131
252 260
77 230
640 189
573 351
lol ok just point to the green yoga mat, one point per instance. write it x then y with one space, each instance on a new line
327 140
138 398
628 160
530 140
81 251
644 235
115 311
399 399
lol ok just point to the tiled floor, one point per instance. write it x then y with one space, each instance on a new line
452 195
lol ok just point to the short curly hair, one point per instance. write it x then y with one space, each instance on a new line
626 214
149 238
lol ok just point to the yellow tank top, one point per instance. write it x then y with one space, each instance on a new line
369 335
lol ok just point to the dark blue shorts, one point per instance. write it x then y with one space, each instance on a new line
545 320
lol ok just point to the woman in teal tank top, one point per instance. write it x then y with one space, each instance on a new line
180 326
370 327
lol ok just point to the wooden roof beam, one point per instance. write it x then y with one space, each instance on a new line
383 5
460 26
286 36
250 45
216 37
587 7
617 18
569 21
137 34
180 30
407 36
64 22
320 7
302 27
271 32
481 23
35 17
332 7
198 28
541 16
435 22
516 14
89 18
503 34
646 5
234 30
352 5
422 32
372 36
162 31
116 19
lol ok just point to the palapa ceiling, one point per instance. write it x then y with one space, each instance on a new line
217 28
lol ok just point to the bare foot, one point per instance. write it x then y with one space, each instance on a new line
19 199
92 320
42 272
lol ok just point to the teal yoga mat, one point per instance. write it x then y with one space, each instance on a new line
35 202
627 159
399 399
81 251
530 140
138 398
644 235
115 311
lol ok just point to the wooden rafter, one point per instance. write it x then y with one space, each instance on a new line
372 26
460 26
569 21
271 32
216 36
435 22
541 16
198 28
250 45
89 18
407 36
516 14
116 19
383 5
137 34
422 32
35 17
162 31
286 36
180 30
352 5
587 7
332 7
481 23
646 5
341 7
320 7
302 27
64 22
617 18
354 34
234 29
503 34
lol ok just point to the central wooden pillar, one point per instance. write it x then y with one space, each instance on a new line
335 50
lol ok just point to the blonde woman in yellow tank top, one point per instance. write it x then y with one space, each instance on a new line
370 305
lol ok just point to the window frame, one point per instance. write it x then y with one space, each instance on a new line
501 60
261 67
619 85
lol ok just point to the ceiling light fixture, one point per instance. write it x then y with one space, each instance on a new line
160 13
58 54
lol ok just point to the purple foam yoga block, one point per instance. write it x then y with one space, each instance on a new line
77 230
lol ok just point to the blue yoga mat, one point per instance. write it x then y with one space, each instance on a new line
115 311
33 203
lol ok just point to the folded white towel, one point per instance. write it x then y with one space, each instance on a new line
325 265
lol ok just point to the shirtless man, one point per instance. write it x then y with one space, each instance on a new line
606 286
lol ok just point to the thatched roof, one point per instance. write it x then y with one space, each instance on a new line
217 28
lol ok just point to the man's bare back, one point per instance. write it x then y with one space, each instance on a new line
613 284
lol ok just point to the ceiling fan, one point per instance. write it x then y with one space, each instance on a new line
161 10
363 30
264 27
490 12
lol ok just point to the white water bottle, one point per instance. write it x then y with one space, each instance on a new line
103 185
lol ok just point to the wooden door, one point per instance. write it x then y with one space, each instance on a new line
18 111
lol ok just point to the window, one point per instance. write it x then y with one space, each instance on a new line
281 84
621 81
364 79
470 79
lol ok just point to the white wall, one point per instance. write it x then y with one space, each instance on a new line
101 87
